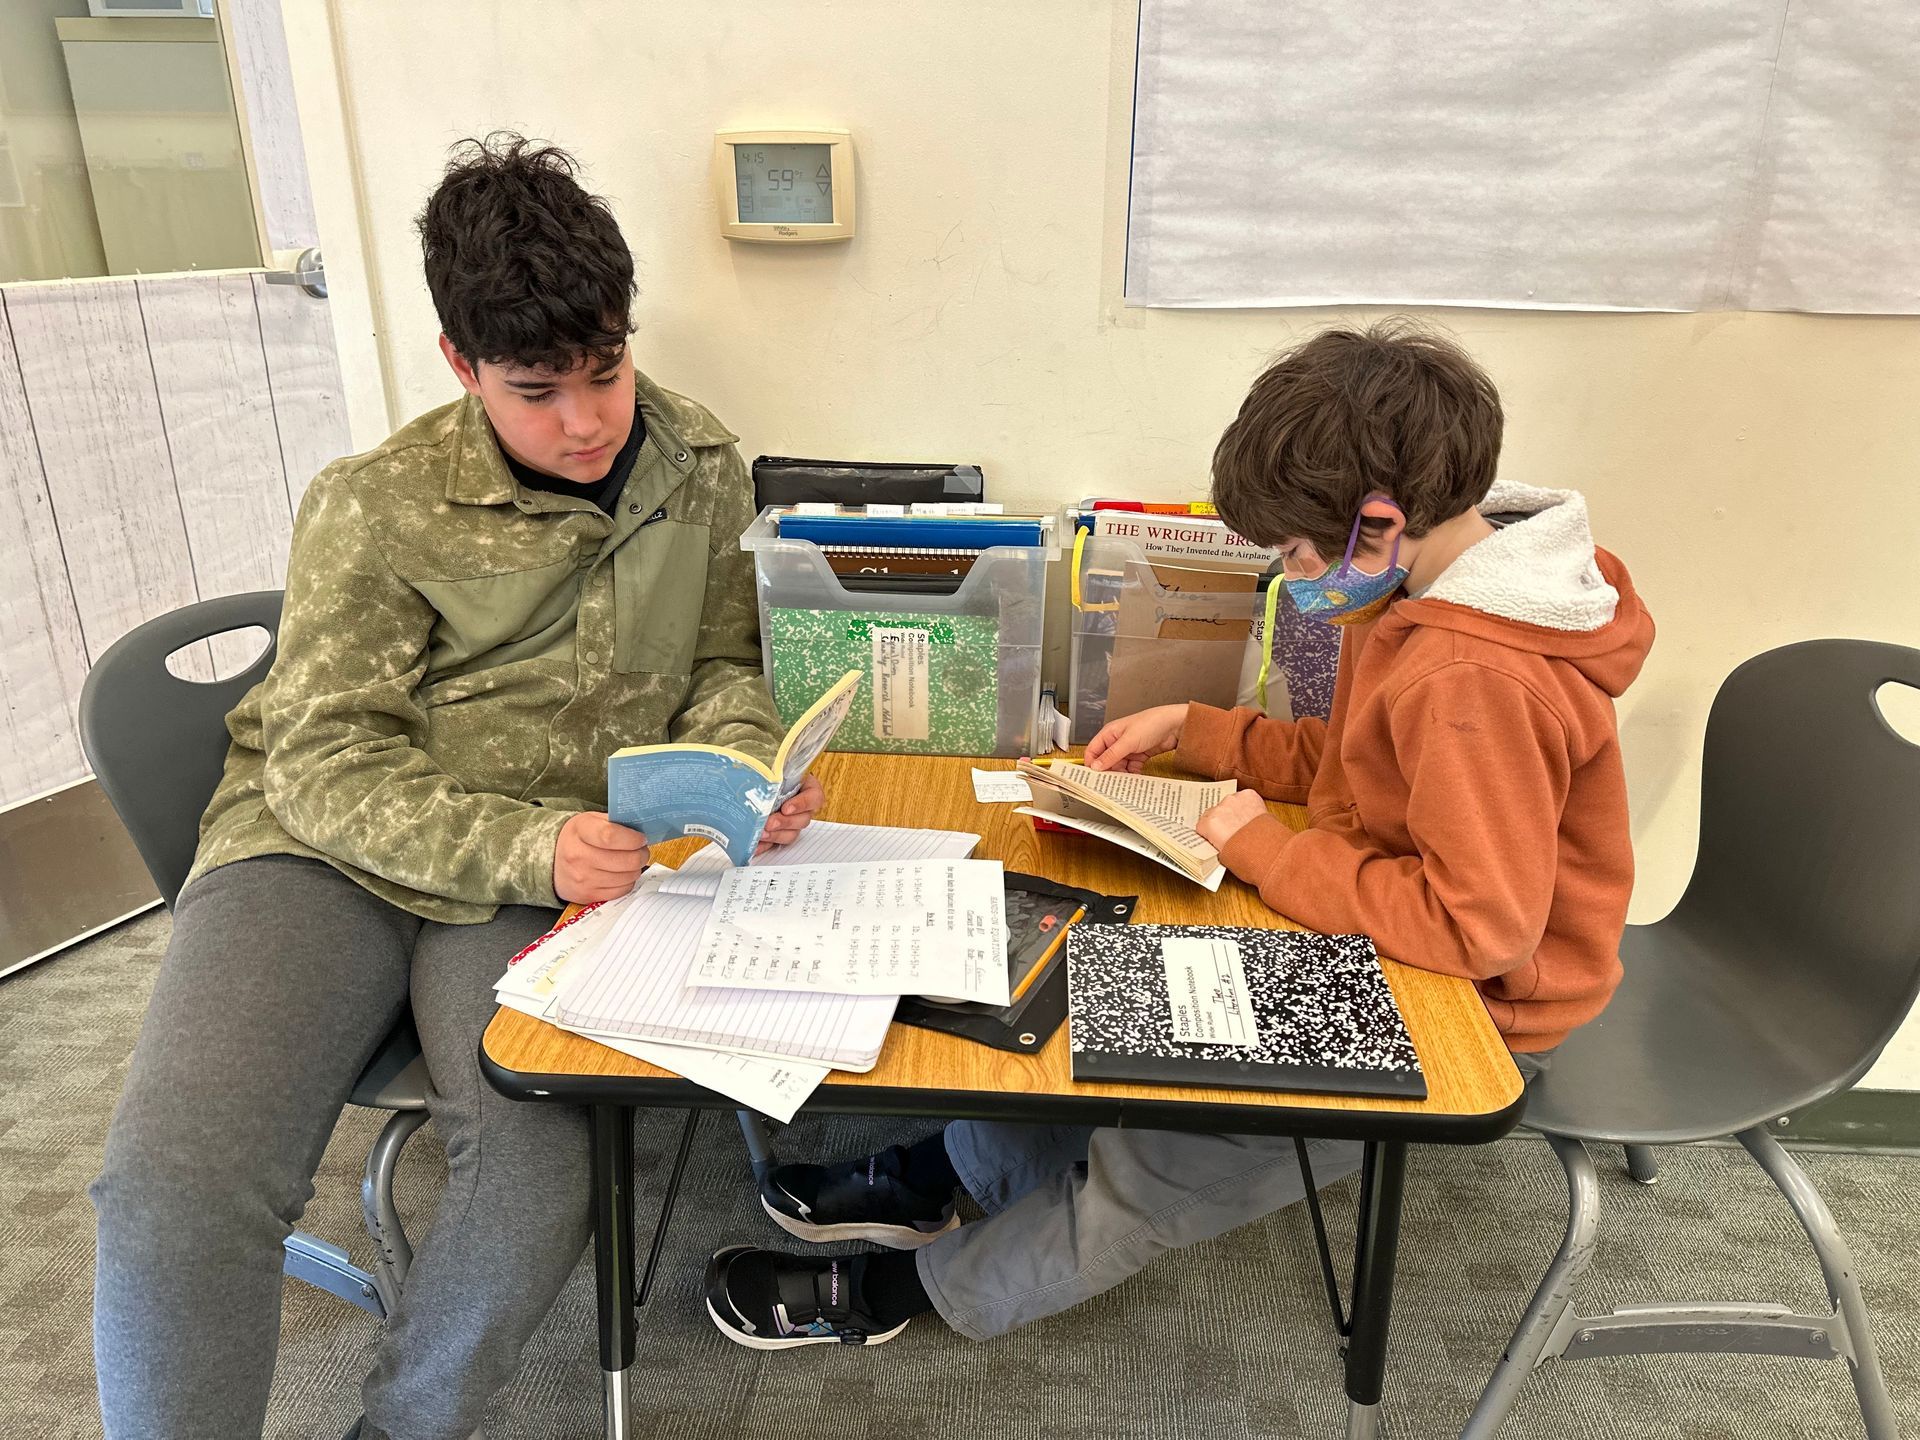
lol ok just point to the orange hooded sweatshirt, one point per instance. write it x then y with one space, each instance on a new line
1466 803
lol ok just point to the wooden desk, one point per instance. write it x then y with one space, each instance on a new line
1474 1092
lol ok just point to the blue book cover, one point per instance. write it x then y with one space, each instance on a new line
917 532
666 791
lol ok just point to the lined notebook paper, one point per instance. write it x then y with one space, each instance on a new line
634 982
635 985
773 1087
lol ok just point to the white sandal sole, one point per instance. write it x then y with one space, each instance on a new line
894 1237
787 1342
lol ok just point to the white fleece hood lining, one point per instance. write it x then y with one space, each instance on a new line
1540 570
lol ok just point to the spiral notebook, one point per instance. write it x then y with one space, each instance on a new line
1232 1006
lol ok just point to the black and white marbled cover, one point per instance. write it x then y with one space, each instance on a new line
1327 1020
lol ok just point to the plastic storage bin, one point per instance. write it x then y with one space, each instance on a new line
951 674
1136 642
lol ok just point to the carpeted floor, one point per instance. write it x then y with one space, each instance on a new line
1228 1340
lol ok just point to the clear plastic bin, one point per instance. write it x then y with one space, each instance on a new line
951 674
1136 642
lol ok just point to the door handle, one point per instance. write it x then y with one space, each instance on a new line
308 271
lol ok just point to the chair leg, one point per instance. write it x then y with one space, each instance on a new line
754 1127
1642 1165
392 1253
1554 1297
1843 1284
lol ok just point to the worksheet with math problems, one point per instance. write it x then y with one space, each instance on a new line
922 927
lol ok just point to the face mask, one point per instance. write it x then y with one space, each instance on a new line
1345 595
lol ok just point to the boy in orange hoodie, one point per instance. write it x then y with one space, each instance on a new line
1467 809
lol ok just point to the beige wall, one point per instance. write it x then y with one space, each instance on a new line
1756 472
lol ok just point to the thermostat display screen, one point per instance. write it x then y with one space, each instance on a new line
784 184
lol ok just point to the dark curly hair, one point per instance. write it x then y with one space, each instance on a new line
526 268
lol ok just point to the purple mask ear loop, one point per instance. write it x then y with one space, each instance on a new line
1353 538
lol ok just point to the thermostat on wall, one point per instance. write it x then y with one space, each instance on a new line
785 186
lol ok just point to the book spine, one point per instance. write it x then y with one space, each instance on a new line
910 533
916 552
1177 538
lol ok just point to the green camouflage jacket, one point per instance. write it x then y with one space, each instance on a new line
459 656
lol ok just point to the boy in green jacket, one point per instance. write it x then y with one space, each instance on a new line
477 613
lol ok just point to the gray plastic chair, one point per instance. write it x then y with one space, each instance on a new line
1788 964
157 744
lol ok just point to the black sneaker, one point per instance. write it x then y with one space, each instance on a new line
856 1200
770 1301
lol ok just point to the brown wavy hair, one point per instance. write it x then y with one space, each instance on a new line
1395 409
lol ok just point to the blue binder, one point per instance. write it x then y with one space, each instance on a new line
912 532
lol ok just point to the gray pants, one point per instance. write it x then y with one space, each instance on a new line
1072 1211
281 978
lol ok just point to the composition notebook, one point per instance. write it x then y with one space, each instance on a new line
1222 1005
929 683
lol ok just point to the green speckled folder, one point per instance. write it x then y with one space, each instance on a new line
957 662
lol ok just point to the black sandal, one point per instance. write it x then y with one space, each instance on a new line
769 1301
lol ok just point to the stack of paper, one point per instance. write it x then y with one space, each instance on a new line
927 927
621 973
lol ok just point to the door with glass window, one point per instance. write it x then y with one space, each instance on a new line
168 387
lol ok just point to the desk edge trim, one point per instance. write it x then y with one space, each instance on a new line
1142 1114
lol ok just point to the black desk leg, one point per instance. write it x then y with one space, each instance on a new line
612 1127
1382 1178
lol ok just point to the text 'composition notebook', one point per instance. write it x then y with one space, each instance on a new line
1231 1006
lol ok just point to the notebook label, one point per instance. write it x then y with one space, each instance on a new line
901 661
1207 991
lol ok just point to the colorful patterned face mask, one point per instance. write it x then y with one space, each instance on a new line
1344 595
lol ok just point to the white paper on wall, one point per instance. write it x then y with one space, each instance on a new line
1722 154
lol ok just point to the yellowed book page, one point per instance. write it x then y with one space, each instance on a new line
1163 809
1062 809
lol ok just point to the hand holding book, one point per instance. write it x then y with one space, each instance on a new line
595 859
1232 815
786 823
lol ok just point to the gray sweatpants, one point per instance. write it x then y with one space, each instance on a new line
281 978
1072 1210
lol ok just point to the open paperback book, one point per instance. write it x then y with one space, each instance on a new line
722 795
1153 814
